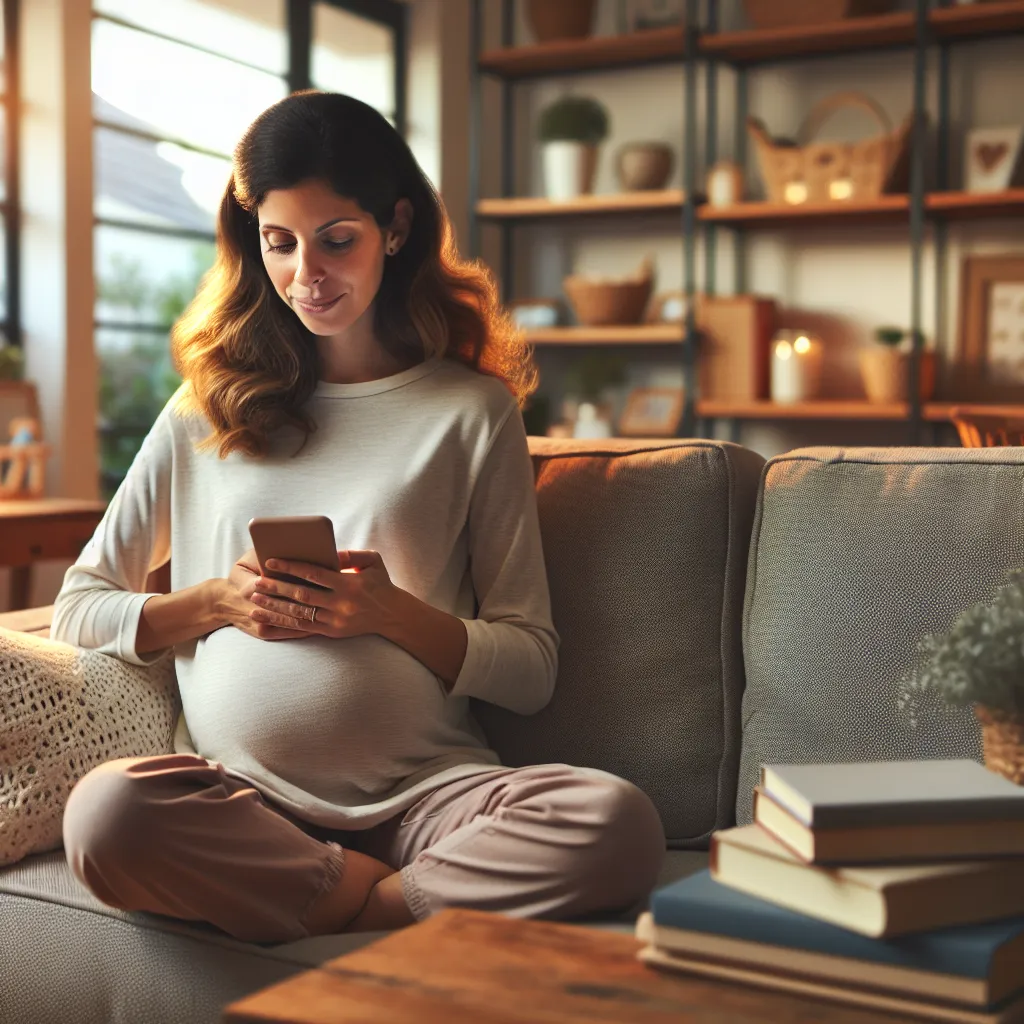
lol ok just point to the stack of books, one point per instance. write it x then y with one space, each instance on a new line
894 885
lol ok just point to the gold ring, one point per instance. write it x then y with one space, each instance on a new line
312 617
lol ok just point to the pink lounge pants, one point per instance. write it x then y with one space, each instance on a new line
175 835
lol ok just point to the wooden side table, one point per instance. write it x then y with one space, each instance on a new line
44 528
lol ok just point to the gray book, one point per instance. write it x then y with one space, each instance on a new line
892 793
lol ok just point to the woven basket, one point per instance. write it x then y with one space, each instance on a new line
821 172
598 300
1003 738
788 13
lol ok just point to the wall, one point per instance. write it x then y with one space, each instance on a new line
849 279
56 250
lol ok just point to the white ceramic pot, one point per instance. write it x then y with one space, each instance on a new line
568 169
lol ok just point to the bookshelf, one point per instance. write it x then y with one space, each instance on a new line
929 26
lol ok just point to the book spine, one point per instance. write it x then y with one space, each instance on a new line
745 919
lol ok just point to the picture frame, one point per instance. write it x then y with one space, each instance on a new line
638 15
651 412
990 340
991 157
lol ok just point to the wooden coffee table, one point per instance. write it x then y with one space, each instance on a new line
470 967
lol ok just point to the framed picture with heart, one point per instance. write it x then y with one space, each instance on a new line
991 159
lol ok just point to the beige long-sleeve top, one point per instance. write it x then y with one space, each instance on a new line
430 467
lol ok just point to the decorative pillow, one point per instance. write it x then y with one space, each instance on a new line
63 711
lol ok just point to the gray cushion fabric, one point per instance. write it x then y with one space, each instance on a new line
645 543
856 555
64 956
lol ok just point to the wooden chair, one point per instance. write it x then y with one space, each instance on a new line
995 428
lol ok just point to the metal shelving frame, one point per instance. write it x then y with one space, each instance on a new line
923 43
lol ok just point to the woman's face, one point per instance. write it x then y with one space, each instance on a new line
324 254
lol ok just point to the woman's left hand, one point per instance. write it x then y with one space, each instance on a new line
355 603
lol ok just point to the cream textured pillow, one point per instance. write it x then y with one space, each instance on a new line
63 711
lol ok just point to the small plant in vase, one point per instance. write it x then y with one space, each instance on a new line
587 380
571 130
979 661
885 368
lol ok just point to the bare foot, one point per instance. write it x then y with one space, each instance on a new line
337 908
385 908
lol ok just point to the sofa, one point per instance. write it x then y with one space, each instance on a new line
716 613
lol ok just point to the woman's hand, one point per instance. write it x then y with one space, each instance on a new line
238 607
355 603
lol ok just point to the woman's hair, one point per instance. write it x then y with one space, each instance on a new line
249 362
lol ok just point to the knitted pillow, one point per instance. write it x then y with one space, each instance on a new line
63 711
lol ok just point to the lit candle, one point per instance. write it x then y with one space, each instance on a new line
796 367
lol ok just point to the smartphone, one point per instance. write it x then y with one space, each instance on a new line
297 539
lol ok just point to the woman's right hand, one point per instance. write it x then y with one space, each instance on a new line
236 604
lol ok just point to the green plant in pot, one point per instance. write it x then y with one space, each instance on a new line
570 130
885 368
587 379
979 661
12 362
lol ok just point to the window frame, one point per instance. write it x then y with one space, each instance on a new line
391 14
10 206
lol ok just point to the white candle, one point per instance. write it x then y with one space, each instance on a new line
796 369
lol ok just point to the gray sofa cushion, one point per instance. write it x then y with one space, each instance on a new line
645 543
856 554
64 956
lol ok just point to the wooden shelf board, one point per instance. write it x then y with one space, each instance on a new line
627 334
885 208
594 53
536 207
939 412
853 409
966 205
756 45
980 19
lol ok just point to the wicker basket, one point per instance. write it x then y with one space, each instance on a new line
787 13
1003 739
599 300
821 172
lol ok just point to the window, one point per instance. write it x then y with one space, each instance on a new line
162 158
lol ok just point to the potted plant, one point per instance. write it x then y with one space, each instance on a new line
566 19
570 130
586 381
885 368
12 363
979 661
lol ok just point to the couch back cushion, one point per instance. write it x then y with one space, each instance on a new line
645 543
856 554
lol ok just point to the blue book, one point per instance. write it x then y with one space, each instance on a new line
980 964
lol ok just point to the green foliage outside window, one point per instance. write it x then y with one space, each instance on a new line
136 379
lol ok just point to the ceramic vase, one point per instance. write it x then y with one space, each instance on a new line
569 169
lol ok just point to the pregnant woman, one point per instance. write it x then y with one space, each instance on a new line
339 359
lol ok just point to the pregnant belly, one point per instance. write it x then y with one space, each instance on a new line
297 707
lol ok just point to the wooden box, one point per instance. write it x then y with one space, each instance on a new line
735 346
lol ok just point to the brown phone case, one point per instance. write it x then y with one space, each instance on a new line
295 538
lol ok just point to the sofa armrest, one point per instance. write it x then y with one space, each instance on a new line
29 620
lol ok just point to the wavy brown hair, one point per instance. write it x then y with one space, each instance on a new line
249 363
